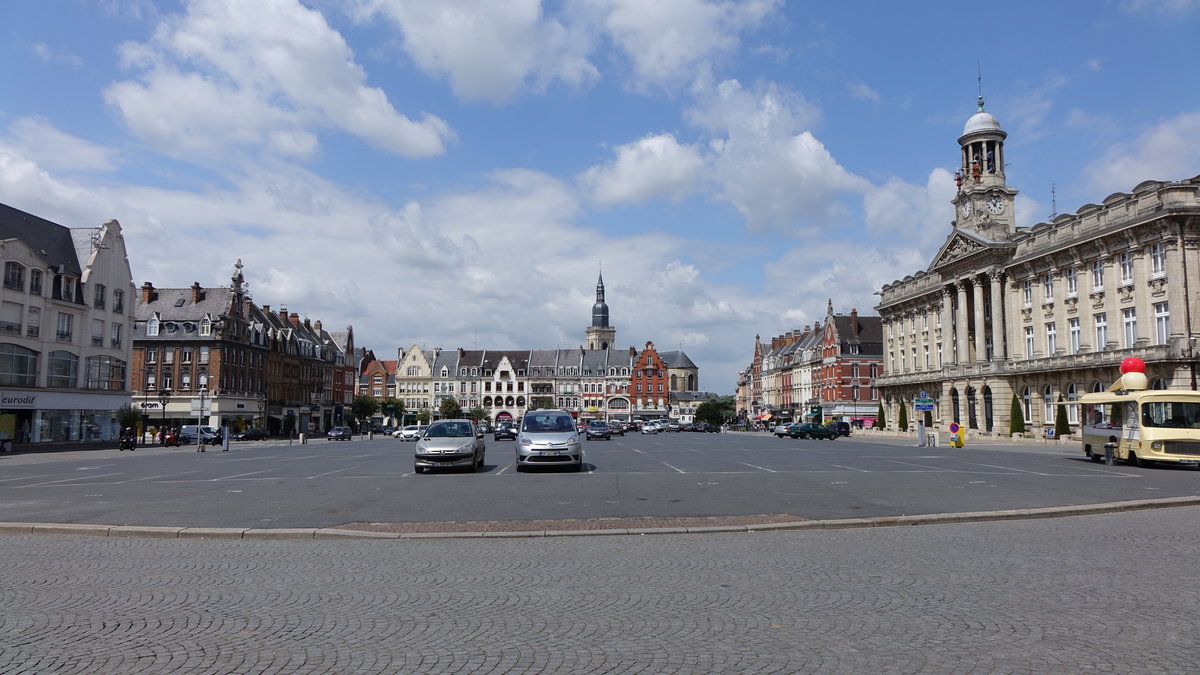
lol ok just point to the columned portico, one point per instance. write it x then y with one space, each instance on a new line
980 332
960 324
999 344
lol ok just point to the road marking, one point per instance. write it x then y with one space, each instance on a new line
165 475
1009 468
749 465
328 473
503 470
71 480
239 475
675 467
40 475
851 468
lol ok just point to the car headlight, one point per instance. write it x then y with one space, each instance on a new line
574 442
525 441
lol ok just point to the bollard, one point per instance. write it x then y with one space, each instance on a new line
1108 453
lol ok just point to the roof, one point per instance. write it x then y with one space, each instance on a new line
51 241
676 358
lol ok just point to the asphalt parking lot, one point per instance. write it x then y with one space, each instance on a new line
324 484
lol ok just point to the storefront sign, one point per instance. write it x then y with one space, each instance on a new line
18 400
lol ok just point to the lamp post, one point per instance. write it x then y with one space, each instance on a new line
164 396
262 420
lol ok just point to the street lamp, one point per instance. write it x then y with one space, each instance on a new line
164 396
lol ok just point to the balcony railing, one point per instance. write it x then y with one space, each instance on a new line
10 327
97 341
32 331
63 336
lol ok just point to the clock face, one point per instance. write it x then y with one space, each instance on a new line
965 209
995 205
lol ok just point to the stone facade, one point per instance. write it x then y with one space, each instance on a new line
1047 311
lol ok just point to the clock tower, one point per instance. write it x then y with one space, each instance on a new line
984 203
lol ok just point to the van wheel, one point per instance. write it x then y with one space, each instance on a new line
1134 460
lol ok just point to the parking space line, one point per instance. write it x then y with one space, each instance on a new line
239 475
851 468
674 467
1009 468
40 475
165 475
330 473
755 466
71 480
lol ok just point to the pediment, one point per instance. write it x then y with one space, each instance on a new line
961 245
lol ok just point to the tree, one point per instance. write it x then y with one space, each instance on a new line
394 408
1016 421
363 407
880 419
903 417
477 414
449 409
423 417
710 411
1061 426
128 417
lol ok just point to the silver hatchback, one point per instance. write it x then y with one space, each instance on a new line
549 438
449 444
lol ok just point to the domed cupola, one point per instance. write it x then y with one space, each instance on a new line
982 144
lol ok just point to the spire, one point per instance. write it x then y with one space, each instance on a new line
600 309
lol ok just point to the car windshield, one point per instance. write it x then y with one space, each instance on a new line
449 430
597 424
549 423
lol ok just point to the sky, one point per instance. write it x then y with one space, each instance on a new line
457 173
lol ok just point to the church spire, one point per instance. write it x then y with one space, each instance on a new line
600 335
600 309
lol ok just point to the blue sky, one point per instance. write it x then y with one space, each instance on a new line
455 173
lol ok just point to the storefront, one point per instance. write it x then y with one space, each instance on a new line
32 417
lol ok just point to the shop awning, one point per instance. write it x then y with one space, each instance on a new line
764 417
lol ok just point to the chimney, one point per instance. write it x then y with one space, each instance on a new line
317 326
266 308
283 315
249 305
148 293
197 292
307 323
854 321
295 319
461 352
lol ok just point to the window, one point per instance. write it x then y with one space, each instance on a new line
185 380
1162 323
168 356
18 365
151 356
14 276
1029 342
1027 404
1073 328
1158 260
203 356
1048 404
64 327
206 326
1101 321
152 327
97 332
1072 282
1129 323
1072 410
1027 292
66 286
1097 275
185 355
167 379
64 370
1051 339
99 301
1126 262
33 324
927 363
1048 287
118 301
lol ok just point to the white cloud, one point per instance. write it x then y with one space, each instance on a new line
55 54
1166 151
764 161
649 168
37 138
672 41
247 74
862 92
911 215
488 49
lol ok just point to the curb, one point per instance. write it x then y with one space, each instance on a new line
302 533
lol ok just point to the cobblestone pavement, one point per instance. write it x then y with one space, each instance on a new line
1102 593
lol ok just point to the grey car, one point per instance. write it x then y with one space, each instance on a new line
449 444
549 438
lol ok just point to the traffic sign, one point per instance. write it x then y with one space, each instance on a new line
923 404
954 427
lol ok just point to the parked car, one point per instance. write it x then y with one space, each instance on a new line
843 428
188 434
781 430
598 429
505 430
409 433
809 430
674 426
549 438
251 435
617 428
339 434
649 428
449 444
706 427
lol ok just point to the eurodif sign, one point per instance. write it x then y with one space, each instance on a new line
18 400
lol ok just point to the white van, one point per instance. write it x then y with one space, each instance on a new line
189 432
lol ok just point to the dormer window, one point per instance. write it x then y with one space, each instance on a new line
152 327
206 327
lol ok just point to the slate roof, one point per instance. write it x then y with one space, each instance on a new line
53 242
676 358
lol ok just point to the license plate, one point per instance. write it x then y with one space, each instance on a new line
549 453
443 463
1189 461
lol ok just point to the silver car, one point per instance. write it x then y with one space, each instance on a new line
449 444
549 438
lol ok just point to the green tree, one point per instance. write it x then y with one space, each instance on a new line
129 417
477 414
449 409
423 417
363 407
880 419
903 417
1061 426
710 411
1016 420
393 408
289 424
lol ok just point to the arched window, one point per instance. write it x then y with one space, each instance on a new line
1027 404
152 327
206 326
64 370
1048 404
1158 383
1072 410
